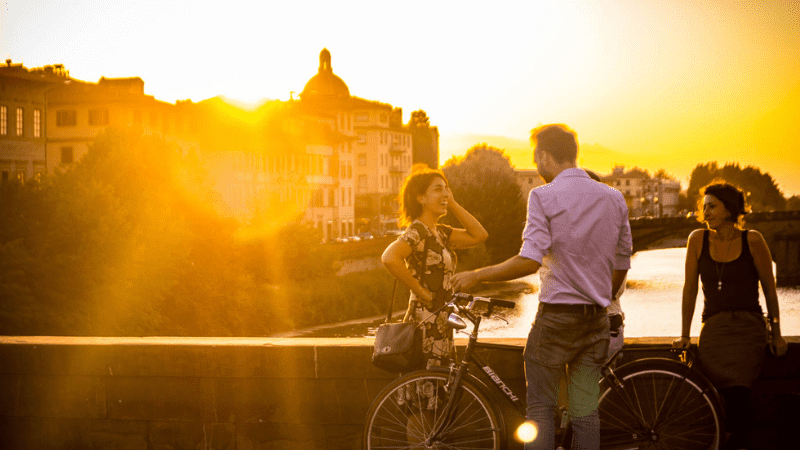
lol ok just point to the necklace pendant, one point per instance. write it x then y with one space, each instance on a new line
719 285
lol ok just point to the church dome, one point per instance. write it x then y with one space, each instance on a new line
325 84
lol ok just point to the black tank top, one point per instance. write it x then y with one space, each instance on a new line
739 281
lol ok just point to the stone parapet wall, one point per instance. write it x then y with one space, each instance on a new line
208 393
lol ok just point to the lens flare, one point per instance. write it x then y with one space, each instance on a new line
527 432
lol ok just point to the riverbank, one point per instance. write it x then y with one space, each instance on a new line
509 290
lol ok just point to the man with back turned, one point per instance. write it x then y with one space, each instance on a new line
577 233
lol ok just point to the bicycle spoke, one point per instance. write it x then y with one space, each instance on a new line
658 407
413 410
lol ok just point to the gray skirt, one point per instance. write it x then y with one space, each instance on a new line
731 348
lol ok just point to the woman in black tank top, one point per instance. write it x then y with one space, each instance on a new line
730 262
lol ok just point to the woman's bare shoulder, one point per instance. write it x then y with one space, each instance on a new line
754 236
696 236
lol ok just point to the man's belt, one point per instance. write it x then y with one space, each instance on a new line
583 308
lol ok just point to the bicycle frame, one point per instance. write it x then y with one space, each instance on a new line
460 371
686 355
457 374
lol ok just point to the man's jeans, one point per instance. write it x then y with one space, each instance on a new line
579 342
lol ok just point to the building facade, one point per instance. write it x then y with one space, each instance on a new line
336 160
328 158
79 111
527 179
23 118
645 196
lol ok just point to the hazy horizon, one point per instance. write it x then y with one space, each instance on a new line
653 84
594 156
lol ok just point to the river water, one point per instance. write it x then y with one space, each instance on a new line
651 302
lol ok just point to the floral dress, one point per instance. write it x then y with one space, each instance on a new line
438 266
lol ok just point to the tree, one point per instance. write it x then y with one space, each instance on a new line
484 183
423 149
662 174
793 203
761 190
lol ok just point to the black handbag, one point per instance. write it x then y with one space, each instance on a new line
398 346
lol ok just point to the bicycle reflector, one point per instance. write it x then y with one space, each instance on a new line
527 432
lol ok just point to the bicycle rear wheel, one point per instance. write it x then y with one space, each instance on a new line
407 411
662 404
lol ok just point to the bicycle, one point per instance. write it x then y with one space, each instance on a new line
650 403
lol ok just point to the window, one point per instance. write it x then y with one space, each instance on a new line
66 155
37 123
3 120
362 138
20 115
362 183
5 176
362 159
362 117
66 118
627 182
316 199
98 116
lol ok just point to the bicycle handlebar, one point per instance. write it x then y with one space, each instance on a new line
462 298
500 302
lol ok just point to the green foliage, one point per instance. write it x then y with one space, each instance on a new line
419 127
793 203
484 183
663 175
292 253
124 243
761 190
350 296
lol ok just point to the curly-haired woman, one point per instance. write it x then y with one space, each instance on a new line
422 258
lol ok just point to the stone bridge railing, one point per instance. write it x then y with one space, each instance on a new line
781 229
248 393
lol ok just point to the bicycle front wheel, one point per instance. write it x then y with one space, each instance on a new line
662 404
406 413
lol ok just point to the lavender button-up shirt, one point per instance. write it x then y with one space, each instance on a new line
578 230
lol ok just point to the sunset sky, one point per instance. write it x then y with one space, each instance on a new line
655 84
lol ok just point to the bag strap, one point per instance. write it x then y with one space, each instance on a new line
424 268
391 303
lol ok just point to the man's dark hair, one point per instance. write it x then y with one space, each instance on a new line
558 140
